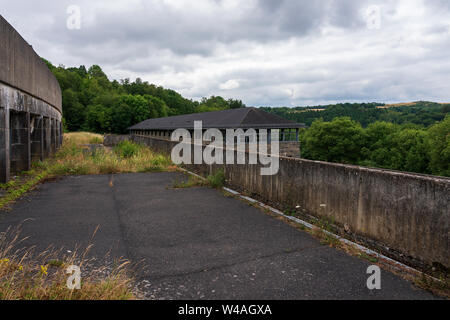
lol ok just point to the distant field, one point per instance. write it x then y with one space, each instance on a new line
307 110
404 104
387 106
422 113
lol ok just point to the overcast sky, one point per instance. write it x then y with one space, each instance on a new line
265 52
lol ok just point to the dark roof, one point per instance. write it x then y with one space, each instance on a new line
244 118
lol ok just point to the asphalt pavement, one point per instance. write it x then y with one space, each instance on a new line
196 243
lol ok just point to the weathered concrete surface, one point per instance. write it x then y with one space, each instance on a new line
113 140
20 156
196 243
28 93
289 149
37 138
20 116
23 69
406 215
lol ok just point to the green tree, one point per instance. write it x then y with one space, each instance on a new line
157 107
127 111
73 111
409 151
92 102
340 140
98 119
438 145
378 144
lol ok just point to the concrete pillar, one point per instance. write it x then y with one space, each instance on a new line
4 145
47 137
37 138
61 133
20 152
297 136
53 135
57 134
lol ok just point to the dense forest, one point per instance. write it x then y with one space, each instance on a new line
412 137
405 147
420 113
91 102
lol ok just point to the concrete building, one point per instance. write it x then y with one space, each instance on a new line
30 105
244 118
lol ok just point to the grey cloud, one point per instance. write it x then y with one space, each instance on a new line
160 42
198 33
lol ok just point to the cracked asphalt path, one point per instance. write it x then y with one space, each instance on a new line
196 243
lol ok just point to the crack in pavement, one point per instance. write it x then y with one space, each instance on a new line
223 266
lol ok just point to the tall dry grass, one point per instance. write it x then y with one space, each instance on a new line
76 158
81 138
81 154
28 275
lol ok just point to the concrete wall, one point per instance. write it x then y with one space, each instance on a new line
23 69
290 149
113 140
403 215
30 105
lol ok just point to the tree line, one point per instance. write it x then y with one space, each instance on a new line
91 102
404 147
420 113
414 138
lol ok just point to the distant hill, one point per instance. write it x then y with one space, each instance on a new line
423 104
422 113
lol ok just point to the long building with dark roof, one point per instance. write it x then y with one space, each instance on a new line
243 118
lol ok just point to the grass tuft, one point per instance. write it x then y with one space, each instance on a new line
217 180
191 182
127 149
27 275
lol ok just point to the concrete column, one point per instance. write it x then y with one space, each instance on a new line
297 131
4 145
20 152
37 138
53 135
57 135
61 133
47 137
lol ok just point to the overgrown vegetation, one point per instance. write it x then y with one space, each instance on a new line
439 286
326 238
78 157
126 149
191 182
216 181
28 275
